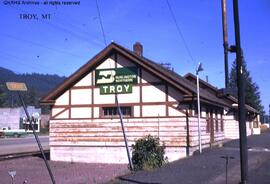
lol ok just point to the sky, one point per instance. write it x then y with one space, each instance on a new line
72 35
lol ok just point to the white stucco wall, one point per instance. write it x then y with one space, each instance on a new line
63 99
56 110
108 63
86 81
174 112
153 93
64 114
96 112
81 96
154 110
136 111
101 99
81 112
133 97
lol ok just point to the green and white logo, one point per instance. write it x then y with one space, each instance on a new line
117 80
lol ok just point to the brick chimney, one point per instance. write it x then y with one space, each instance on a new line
138 48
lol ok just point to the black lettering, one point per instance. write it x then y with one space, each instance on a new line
11 2
54 3
46 16
30 2
28 16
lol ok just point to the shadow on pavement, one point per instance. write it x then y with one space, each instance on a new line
47 155
135 181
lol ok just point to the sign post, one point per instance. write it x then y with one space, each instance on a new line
117 81
15 86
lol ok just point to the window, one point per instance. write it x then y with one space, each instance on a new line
196 110
112 111
207 121
255 124
216 120
222 123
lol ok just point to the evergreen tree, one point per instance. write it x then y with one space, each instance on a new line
38 86
2 96
252 92
31 97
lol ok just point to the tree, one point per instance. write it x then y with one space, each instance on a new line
2 96
252 91
32 97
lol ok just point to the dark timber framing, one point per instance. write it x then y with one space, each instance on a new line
173 79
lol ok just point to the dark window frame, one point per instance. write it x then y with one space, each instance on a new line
112 111
222 122
207 121
216 121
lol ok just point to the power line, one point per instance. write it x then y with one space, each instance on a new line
39 45
70 20
101 25
116 96
36 66
61 28
179 31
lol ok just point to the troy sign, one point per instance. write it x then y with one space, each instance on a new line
116 80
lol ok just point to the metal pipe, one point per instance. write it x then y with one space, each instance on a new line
188 138
124 133
122 126
37 139
199 113
225 41
226 165
269 115
241 97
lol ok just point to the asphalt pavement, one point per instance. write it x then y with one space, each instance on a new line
209 167
22 144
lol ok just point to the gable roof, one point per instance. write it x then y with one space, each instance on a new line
203 84
168 76
229 97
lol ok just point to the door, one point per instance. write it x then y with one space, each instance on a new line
212 131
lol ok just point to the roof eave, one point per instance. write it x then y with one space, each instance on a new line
68 82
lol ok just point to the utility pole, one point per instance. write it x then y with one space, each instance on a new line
269 115
241 97
225 41
199 69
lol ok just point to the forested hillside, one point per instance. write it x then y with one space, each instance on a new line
38 85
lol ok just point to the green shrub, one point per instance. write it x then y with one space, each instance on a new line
147 153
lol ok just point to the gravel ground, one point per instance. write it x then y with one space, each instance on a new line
209 168
33 170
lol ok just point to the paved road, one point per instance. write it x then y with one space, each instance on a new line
23 140
20 145
209 168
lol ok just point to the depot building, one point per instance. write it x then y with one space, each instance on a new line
85 125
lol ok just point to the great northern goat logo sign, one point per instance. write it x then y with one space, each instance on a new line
117 80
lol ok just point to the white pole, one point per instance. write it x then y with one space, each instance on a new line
199 114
